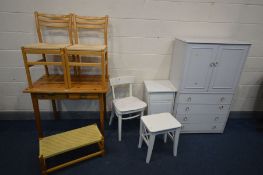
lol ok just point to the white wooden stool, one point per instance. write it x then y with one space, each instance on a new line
152 125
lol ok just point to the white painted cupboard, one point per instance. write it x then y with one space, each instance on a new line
206 73
159 96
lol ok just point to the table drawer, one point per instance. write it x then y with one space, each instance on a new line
159 107
205 98
162 96
203 128
202 118
202 109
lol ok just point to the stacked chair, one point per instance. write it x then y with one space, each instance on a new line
70 58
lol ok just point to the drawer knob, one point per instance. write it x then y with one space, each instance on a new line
187 109
221 107
222 99
189 99
214 127
216 118
185 118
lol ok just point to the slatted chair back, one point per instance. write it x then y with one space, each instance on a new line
122 81
90 23
53 21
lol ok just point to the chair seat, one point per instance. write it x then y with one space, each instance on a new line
128 104
160 122
87 47
46 46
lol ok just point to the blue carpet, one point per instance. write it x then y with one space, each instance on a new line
236 152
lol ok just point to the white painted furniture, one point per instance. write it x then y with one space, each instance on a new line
152 125
206 73
125 107
159 96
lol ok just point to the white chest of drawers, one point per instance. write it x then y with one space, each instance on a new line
159 95
206 73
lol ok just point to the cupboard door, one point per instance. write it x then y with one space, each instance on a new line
198 67
228 67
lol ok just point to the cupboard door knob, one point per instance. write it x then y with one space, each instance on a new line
189 99
185 118
187 109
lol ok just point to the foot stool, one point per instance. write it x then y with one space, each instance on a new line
152 125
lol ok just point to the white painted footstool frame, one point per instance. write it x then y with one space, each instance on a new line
152 125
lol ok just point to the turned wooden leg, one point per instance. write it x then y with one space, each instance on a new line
55 112
43 165
37 115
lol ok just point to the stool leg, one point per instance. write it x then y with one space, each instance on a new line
150 148
165 137
140 136
119 126
176 139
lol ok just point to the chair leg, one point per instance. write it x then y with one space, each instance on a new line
119 126
150 148
111 116
176 139
140 136
165 137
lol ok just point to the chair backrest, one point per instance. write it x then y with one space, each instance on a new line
53 21
90 23
121 81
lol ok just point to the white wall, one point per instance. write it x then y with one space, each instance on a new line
140 40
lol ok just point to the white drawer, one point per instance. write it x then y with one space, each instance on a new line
205 98
162 96
202 118
203 128
202 109
159 107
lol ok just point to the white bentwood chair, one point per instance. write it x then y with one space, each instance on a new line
131 106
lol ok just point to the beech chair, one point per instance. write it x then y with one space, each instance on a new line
131 106
43 48
98 24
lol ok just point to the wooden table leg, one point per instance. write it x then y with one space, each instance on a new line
105 106
101 101
55 112
37 115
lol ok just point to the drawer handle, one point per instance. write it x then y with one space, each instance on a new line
214 127
185 119
216 118
221 107
189 99
187 109
222 99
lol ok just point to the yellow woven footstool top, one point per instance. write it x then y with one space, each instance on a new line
69 140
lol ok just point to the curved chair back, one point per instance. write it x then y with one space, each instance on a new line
90 23
53 21
121 81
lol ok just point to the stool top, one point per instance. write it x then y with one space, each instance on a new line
160 122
